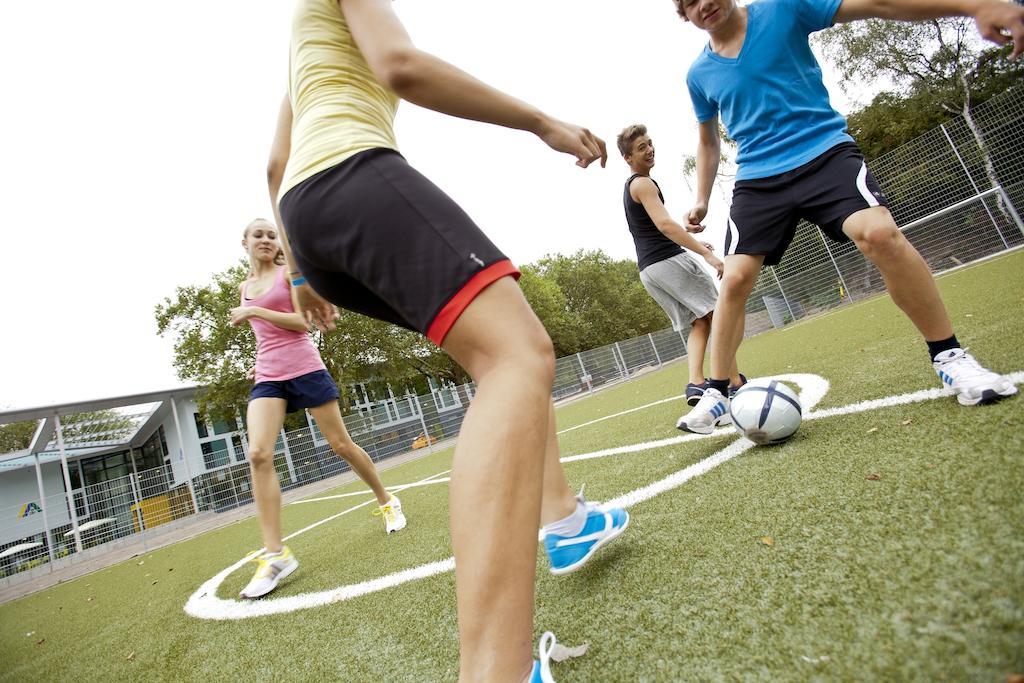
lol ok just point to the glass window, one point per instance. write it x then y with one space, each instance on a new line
117 471
200 426
236 441
404 408
215 453
75 474
223 427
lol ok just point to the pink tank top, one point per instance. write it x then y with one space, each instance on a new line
280 354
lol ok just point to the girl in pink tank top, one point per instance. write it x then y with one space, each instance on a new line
290 376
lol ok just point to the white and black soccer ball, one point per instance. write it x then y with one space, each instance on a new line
766 411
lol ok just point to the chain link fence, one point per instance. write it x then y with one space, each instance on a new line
956 192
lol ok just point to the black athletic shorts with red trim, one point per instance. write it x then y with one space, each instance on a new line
375 236
825 191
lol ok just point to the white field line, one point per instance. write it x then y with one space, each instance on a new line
204 603
396 488
355 507
624 412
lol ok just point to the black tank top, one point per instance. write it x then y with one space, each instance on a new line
651 244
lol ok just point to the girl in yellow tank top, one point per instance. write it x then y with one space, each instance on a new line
370 233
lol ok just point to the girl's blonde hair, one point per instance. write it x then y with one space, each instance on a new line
278 257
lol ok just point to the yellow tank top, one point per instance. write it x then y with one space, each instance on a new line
339 108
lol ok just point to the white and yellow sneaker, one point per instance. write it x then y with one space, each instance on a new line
269 572
391 511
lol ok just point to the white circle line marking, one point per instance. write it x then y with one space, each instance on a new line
204 603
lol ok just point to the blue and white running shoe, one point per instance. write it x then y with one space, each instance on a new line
569 553
711 411
542 667
972 383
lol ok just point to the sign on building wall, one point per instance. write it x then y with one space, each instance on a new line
29 509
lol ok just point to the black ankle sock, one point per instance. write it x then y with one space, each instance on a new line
721 384
937 347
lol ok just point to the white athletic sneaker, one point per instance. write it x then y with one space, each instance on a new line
711 411
394 520
971 383
270 570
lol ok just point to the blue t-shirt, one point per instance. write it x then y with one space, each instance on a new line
771 96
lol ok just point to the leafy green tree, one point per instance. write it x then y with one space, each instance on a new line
936 65
16 435
726 169
604 300
548 302
216 355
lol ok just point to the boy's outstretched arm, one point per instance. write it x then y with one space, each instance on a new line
709 153
998 21
644 191
423 79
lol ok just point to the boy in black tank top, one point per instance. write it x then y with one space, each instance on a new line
670 275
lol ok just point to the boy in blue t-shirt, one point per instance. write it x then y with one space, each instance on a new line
797 161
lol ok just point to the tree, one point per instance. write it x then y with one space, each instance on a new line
604 300
936 65
211 352
17 436
726 169
548 302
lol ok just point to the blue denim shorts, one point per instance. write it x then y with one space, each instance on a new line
305 391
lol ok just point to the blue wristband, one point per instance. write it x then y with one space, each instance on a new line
301 280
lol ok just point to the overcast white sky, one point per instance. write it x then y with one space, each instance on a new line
135 139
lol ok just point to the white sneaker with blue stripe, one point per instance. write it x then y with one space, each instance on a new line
569 553
549 649
542 667
971 383
711 411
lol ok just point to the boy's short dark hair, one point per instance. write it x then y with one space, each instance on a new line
628 135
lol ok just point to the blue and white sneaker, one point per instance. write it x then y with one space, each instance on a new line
711 411
734 388
569 553
542 667
972 383
694 392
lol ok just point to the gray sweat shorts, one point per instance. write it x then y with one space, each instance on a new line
682 288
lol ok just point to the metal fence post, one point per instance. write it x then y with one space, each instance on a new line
137 495
43 504
423 423
842 280
288 456
1011 209
623 369
583 369
133 482
654 347
977 191
67 484
778 283
184 457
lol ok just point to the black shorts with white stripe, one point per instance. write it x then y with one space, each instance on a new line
825 191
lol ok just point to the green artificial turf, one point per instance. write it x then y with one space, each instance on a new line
882 545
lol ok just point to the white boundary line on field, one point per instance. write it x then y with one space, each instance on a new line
396 488
624 412
205 604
